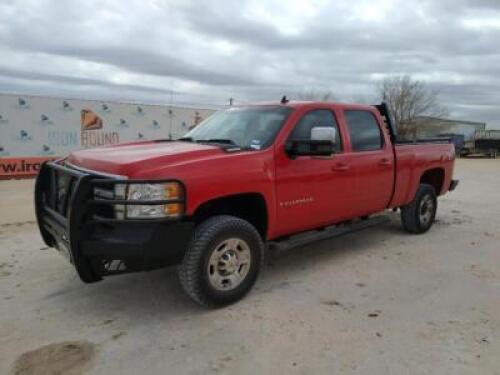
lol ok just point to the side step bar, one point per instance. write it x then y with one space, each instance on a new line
324 234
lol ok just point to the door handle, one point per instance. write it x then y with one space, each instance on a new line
385 162
340 167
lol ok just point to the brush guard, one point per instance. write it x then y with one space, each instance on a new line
85 230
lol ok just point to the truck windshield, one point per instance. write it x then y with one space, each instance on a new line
252 128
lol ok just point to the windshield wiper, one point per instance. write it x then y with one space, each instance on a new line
221 141
217 140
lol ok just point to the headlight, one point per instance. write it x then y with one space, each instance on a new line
149 192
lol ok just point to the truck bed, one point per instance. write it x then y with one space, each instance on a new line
412 159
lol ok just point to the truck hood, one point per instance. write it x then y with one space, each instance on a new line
130 159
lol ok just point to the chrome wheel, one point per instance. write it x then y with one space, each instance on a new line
229 264
426 210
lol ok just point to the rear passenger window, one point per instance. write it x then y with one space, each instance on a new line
364 131
316 118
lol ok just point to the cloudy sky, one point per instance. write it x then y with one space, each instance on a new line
203 52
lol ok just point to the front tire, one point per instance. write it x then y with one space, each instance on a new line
418 216
222 261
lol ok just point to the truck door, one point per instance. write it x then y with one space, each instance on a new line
312 191
372 161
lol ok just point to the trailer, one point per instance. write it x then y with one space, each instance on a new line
487 142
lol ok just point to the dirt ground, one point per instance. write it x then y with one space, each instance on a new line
375 302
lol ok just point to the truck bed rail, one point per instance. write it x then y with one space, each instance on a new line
419 141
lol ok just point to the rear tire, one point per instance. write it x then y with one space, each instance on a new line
418 216
222 261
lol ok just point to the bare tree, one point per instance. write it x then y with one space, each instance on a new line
316 95
409 99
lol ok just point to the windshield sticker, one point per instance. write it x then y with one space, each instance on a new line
255 144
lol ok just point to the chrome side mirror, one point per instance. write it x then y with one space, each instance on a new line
324 133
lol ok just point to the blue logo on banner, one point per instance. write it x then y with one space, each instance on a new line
45 120
123 123
139 111
170 113
104 108
66 107
22 104
46 150
24 136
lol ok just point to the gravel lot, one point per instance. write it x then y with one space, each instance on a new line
375 302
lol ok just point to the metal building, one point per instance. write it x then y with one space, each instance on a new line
435 127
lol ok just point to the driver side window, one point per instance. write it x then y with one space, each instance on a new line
312 119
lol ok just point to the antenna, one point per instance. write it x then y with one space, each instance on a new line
284 100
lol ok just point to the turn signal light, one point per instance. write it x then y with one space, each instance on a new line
173 209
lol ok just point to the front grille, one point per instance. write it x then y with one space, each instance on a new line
104 192
100 192
61 188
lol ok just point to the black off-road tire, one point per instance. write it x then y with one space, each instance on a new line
193 273
411 214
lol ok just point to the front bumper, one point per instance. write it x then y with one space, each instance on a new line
95 242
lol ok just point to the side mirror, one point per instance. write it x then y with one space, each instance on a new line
323 133
322 143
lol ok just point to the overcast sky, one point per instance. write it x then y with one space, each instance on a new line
203 52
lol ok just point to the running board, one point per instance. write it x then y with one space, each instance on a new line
324 234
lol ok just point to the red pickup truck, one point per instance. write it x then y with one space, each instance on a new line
246 179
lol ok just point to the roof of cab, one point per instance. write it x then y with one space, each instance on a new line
301 104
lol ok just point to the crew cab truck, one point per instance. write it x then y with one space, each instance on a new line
244 180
